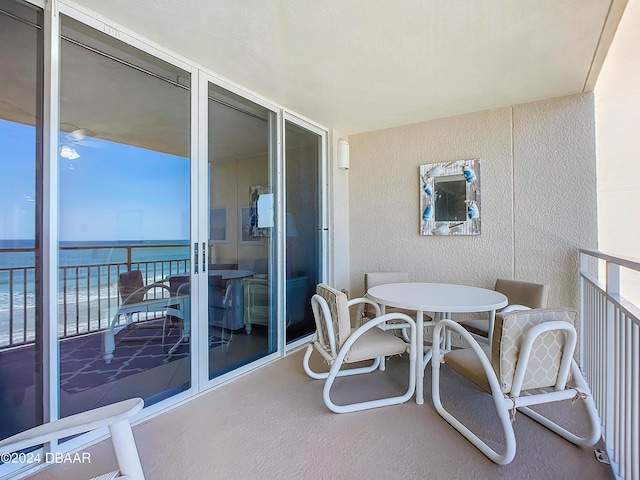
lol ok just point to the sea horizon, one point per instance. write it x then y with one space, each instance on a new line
30 243
88 275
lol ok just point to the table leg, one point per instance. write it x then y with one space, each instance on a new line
492 322
447 341
424 356
383 360
420 360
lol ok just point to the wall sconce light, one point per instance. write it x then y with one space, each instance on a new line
343 154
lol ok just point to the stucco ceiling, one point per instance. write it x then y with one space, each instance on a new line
359 65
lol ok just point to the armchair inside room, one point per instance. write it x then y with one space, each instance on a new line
521 296
530 362
136 298
115 416
338 344
256 301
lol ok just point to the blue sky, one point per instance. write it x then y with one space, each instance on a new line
112 192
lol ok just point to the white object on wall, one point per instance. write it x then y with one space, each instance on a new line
265 210
343 154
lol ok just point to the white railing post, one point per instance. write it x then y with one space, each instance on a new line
611 355
584 269
611 366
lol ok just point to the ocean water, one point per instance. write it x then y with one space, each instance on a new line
87 281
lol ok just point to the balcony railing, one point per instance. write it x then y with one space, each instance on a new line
87 287
610 352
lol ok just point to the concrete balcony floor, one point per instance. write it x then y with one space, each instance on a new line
272 423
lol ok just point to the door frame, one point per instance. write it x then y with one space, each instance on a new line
200 223
323 215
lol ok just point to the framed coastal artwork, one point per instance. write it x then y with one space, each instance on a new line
249 233
218 225
450 200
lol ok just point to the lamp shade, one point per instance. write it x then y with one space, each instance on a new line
343 154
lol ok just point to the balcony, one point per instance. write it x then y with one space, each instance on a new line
542 160
291 430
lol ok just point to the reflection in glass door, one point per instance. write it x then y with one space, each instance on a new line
124 210
241 279
21 334
303 151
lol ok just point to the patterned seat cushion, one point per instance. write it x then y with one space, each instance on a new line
508 335
338 306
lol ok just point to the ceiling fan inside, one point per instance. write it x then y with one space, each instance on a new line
76 137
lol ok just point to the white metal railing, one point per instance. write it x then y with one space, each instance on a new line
609 355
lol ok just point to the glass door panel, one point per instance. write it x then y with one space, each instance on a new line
21 46
124 230
303 227
241 280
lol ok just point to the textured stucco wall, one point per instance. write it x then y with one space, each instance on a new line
538 197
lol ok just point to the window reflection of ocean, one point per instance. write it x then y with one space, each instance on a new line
91 277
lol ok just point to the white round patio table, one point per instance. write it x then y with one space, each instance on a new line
440 298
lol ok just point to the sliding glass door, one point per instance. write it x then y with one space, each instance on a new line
124 228
304 226
21 334
241 319
160 231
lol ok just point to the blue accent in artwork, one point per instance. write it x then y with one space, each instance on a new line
427 215
472 210
427 189
469 174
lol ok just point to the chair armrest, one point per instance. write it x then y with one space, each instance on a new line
514 308
410 322
361 301
144 290
73 425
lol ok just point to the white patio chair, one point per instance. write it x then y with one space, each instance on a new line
338 344
529 363
521 295
134 298
378 278
115 416
178 316
373 279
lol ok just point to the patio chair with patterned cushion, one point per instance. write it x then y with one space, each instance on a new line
530 362
339 344
115 416
521 295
